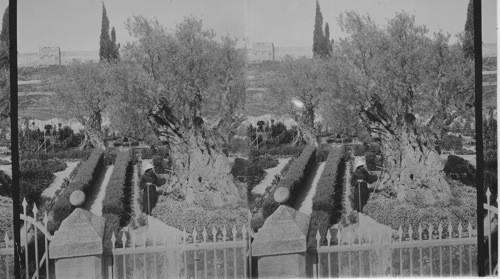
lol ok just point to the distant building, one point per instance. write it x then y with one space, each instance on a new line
262 52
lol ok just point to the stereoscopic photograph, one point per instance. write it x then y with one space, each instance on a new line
248 139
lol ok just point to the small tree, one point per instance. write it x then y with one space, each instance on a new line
328 44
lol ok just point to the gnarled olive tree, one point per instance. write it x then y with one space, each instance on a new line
407 87
190 87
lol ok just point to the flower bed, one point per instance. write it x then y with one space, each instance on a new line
327 202
84 181
296 175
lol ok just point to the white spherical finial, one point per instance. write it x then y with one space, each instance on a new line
281 195
77 198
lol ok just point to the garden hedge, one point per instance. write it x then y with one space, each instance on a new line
282 150
327 201
84 181
295 176
117 198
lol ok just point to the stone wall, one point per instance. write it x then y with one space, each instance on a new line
53 56
267 52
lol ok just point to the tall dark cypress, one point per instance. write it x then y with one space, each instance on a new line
468 44
318 37
114 48
105 41
328 44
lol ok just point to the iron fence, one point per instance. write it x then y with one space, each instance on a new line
429 251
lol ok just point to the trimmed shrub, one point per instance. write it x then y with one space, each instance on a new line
460 169
330 183
117 197
282 150
296 175
327 202
112 226
74 153
84 181
322 153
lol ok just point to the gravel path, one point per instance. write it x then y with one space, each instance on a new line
268 179
304 203
58 181
94 201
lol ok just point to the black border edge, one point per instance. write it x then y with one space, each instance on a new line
478 67
14 134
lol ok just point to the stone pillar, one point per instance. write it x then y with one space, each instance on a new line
77 246
281 243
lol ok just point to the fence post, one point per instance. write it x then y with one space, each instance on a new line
281 244
77 247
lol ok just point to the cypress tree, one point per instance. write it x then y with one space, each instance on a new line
328 44
468 44
114 48
105 41
318 37
4 40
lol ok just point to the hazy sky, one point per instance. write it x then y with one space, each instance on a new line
75 24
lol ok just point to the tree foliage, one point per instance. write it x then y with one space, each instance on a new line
187 71
84 95
298 92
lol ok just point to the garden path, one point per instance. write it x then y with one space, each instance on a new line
268 179
304 201
58 181
94 201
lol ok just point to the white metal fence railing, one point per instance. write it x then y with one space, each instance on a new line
429 251
491 224
35 257
214 254
7 258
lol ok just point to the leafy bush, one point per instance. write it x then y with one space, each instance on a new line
357 149
265 162
147 153
36 176
460 169
5 184
6 217
181 215
84 181
451 142
117 197
371 161
296 175
238 145
389 211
